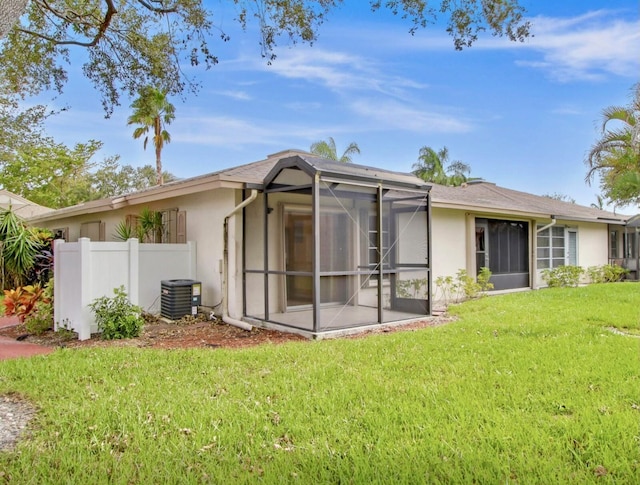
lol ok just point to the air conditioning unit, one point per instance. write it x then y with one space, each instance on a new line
179 298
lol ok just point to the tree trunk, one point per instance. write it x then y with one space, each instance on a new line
158 144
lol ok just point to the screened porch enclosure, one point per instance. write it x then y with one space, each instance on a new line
331 246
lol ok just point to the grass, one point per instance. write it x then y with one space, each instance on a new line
523 388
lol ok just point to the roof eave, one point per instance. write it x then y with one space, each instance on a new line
190 186
483 210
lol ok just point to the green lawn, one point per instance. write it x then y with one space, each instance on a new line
523 388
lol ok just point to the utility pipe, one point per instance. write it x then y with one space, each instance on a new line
552 223
225 263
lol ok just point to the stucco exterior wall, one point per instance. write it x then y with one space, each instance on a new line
592 244
449 242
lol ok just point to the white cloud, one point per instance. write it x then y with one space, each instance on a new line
341 72
239 95
387 114
589 46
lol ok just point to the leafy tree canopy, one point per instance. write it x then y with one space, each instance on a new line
53 175
133 43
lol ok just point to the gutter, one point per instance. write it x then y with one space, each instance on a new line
225 263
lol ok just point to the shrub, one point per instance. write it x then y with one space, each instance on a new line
447 287
116 316
23 300
483 279
41 318
562 276
464 285
613 273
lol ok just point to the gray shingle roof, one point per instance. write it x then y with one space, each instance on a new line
488 196
478 196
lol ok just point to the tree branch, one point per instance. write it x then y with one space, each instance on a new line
102 27
151 8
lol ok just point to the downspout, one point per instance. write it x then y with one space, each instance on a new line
552 223
225 262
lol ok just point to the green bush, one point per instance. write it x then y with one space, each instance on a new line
463 285
607 273
117 317
562 276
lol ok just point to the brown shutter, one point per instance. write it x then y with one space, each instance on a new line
181 227
102 232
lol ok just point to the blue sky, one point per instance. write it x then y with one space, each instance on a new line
522 115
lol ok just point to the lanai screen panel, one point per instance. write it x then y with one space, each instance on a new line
374 257
342 247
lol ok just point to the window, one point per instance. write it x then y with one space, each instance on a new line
630 246
613 244
551 247
93 230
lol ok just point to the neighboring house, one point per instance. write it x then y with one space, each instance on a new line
277 235
21 206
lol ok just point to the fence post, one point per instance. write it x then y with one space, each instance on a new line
134 270
57 282
86 322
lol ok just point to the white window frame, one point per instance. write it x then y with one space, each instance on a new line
558 243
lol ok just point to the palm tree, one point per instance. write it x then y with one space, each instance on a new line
152 111
616 156
457 172
327 149
599 203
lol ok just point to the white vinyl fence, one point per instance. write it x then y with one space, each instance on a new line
87 270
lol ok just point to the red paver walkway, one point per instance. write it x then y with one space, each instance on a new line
13 349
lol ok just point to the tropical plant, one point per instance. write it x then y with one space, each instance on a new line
22 301
152 111
435 167
116 316
40 319
616 156
150 225
125 230
18 249
327 149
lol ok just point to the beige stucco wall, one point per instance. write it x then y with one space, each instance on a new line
592 245
449 242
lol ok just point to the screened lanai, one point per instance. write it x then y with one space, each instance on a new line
331 246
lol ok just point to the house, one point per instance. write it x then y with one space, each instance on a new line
296 242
